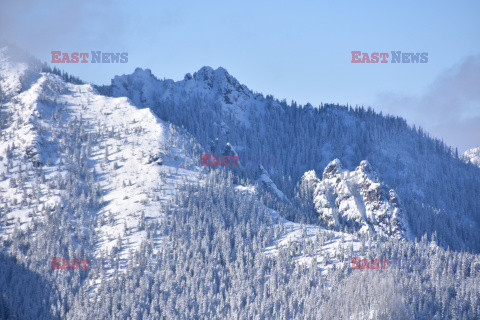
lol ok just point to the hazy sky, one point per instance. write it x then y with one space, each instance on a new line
291 49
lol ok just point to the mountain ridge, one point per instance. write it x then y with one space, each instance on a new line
85 175
211 106
252 125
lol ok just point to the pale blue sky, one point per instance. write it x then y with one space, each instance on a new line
296 50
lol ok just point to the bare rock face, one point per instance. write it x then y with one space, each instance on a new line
356 200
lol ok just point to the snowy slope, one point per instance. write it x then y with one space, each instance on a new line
134 161
326 249
139 158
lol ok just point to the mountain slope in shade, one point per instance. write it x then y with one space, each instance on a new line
265 181
356 200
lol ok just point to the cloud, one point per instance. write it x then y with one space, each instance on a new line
40 25
449 109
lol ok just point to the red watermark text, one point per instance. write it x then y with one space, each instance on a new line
223 161
59 263
363 263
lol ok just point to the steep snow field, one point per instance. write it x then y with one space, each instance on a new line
136 158
139 161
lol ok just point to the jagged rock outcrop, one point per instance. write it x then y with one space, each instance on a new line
356 200
473 156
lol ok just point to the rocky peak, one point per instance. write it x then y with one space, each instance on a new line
219 80
332 169
356 200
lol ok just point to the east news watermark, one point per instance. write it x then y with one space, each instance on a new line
364 263
389 57
59 263
223 161
89 57
209 160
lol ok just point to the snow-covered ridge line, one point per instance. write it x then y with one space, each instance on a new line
217 87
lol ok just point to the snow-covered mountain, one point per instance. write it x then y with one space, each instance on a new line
473 156
102 167
115 172
436 188
65 147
